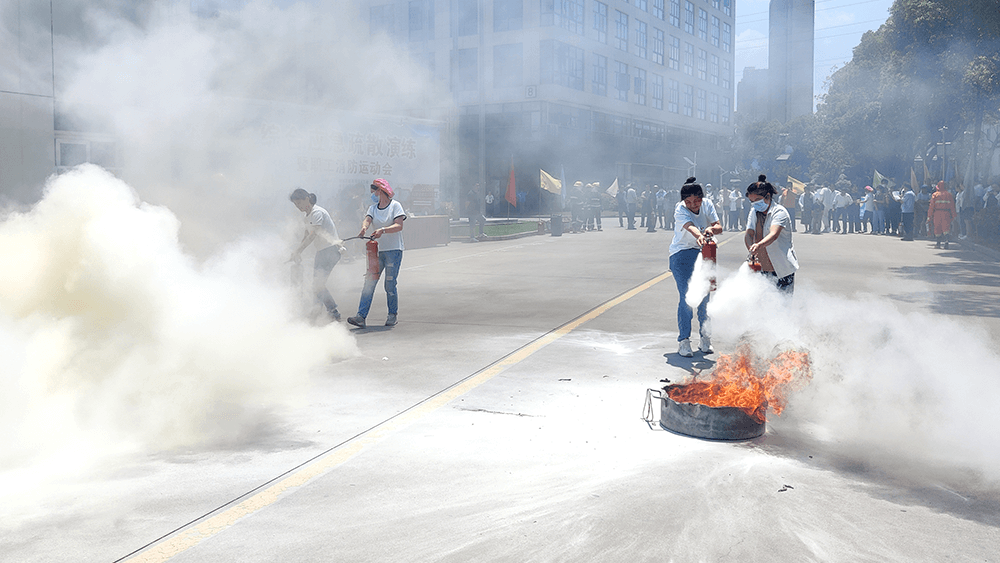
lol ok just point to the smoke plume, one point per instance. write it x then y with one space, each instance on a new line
111 334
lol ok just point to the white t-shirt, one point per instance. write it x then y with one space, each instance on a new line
780 252
384 218
319 221
684 240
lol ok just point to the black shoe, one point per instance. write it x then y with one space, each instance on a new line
335 315
358 321
390 320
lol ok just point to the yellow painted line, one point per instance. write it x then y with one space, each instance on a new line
190 537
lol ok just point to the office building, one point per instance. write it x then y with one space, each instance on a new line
790 58
603 89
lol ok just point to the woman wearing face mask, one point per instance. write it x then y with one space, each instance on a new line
387 216
769 235
694 220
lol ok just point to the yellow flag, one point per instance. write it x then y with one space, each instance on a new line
913 179
797 185
550 184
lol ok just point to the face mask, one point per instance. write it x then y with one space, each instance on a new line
374 198
760 205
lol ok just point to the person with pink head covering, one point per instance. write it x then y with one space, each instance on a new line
386 215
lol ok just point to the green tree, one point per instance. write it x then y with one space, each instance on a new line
933 64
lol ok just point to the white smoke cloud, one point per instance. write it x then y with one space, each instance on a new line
111 334
887 389
199 104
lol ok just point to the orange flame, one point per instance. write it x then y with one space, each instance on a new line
738 382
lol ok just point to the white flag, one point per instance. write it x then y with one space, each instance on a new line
613 190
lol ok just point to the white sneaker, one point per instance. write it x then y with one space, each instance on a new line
685 348
706 345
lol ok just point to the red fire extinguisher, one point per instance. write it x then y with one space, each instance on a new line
372 249
708 253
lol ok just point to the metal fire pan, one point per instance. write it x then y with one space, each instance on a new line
710 423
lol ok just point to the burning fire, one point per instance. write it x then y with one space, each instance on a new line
739 381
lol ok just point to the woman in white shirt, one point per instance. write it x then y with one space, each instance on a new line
695 219
769 235
387 216
320 230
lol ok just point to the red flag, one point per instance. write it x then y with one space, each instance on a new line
511 196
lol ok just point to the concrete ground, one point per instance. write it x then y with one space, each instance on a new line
501 420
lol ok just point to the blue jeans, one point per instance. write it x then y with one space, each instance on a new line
880 221
682 265
388 262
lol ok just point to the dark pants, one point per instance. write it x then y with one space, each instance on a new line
907 226
785 284
631 216
323 264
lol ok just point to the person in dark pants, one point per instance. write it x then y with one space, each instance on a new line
477 221
650 210
622 206
320 230
594 207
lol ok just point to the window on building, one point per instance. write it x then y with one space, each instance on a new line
689 59
727 7
621 30
382 19
713 108
567 14
702 64
642 5
727 38
70 153
508 15
715 31
713 69
675 53
673 96
508 65
601 21
688 100
640 86
640 39
658 46
715 4
689 17
658 9
724 110
421 15
621 80
657 91
727 73
675 13
465 69
599 85
561 64
702 24
700 104
464 17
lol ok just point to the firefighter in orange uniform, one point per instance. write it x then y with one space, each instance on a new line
940 213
